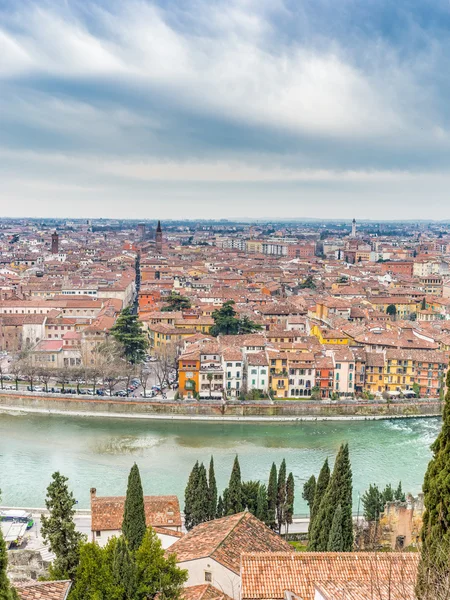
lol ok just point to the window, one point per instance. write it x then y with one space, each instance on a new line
263 371
253 381
208 576
338 365
98 533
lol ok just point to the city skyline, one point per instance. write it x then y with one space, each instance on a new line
256 110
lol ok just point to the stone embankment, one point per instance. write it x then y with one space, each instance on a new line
278 411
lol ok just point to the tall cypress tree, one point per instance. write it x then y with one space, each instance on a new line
190 497
290 497
212 491
235 490
322 483
133 525
309 490
124 569
434 568
262 505
219 511
339 491
7 592
272 496
201 508
281 494
336 539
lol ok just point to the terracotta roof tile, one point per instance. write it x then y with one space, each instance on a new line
44 590
225 539
268 576
160 511
203 592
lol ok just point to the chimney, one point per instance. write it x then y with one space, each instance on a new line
93 493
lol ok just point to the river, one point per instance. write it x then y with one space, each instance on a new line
96 452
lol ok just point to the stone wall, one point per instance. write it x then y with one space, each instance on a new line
280 409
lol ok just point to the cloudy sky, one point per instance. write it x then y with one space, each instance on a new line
225 108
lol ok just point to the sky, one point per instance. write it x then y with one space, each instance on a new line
264 109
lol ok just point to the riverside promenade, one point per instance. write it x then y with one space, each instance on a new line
73 405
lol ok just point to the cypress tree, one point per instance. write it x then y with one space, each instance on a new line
339 491
219 511
133 525
262 505
235 490
281 494
201 508
250 491
322 483
372 501
398 494
190 497
434 569
309 490
335 539
272 496
124 569
225 502
212 491
7 592
290 496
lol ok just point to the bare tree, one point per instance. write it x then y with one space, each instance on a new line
63 376
167 361
144 376
30 371
44 375
16 369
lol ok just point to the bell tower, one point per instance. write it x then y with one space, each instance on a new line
55 243
158 239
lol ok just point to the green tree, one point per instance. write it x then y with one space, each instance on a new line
339 491
281 494
219 511
190 497
7 592
201 506
272 490
94 576
133 525
129 333
308 283
262 505
434 568
58 528
225 496
290 497
321 487
309 490
157 575
235 490
124 569
399 494
250 491
391 310
387 494
336 538
373 505
227 323
212 491
176 302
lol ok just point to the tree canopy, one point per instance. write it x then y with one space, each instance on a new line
176 302
133 525
128 331
227 323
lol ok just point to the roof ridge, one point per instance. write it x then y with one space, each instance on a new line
242 515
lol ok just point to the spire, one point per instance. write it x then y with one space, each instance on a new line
158 228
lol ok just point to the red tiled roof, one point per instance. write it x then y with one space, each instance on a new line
107 512
268 576
203 592
225 539
44 590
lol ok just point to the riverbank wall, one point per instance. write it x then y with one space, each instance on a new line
279 411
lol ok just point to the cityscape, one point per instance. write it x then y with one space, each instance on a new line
224 300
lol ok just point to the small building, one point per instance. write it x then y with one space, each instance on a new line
161 512
211 552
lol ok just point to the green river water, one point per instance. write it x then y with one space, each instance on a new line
96 452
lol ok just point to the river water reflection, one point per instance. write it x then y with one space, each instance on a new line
95 452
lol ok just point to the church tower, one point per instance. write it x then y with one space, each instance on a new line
55 243
158 238
353 234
